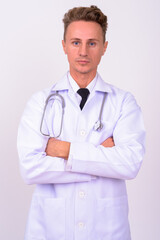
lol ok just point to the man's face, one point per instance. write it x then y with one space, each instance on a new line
84 46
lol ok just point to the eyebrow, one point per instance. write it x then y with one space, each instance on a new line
90 39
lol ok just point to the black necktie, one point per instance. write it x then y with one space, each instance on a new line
83 92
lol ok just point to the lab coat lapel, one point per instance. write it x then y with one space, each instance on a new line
100 86
63 85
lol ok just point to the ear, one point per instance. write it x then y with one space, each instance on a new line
105 47
64 46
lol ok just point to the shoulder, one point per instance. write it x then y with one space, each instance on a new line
112 90
39 97
117 95
120 93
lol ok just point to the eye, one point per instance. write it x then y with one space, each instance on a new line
75 43
92 44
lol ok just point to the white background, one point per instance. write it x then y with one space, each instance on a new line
31 58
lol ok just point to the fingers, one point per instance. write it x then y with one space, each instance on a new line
109 142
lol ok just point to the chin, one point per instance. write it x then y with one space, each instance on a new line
83 70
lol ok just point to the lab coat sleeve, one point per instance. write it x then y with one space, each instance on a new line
122 161
35 166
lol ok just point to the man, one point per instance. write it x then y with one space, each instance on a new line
82 147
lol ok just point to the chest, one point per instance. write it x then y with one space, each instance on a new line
79 125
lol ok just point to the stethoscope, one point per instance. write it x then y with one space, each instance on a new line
56 96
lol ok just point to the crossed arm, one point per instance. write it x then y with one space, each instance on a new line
121 161
57 148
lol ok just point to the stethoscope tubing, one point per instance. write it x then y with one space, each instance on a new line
56 94
97 127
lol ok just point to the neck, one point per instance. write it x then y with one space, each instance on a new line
83 79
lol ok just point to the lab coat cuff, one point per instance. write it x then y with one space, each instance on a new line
71 163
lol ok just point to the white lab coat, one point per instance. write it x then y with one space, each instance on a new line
84 198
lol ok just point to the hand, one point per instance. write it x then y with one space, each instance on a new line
57 148
109 142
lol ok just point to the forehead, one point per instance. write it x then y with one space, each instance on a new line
84 30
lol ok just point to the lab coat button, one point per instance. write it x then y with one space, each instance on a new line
81 225
81 194
82 133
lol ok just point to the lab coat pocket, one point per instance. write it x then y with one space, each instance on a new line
54 218
112 219
98 136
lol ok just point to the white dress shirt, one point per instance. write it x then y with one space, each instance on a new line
75 86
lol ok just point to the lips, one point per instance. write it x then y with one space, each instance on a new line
82 61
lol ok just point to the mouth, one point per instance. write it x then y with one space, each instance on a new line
82 61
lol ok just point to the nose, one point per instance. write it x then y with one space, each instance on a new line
83 50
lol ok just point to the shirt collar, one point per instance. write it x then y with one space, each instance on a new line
75 86
97 84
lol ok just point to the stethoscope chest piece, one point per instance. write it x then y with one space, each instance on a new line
98 126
